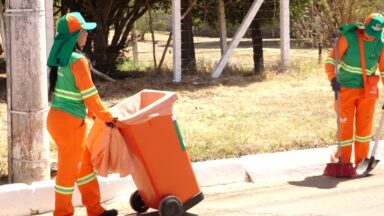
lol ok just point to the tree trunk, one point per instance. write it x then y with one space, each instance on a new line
101 56
135 49
28 142
153 37
257 43
188 58
222 26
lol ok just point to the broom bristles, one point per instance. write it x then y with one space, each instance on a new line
340 170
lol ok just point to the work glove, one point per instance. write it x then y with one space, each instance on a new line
335 85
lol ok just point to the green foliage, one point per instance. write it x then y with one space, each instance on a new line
160 21
129 65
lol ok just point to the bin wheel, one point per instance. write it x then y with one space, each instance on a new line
137 202
170 206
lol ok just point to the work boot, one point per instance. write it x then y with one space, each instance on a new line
111 212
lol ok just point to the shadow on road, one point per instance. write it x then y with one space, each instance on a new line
321 182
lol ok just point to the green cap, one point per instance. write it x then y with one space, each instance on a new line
68 31
374 25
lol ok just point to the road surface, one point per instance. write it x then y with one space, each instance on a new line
293 195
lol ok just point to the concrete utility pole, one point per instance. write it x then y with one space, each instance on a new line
284 33
176 32
237 37
2 29
28 142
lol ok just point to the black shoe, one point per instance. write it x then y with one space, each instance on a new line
111 212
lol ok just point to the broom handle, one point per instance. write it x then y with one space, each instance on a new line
378 133
337 94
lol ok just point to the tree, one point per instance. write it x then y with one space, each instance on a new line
115 20
267 15
188 57
315 20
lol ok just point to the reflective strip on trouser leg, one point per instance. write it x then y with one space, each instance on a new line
346 150
361 148
86 179
364 118
363 139
89 186
64 190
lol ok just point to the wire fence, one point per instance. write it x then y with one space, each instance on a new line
206 42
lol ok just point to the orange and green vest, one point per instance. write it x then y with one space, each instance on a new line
350 72
67 97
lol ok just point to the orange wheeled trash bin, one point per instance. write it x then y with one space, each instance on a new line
162 170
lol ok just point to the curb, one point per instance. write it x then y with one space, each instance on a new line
37 198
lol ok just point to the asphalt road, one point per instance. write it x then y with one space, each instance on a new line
293 195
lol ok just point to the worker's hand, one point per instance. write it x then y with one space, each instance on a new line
335 85
112 123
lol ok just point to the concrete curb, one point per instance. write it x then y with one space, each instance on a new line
217 172
276 165
23 199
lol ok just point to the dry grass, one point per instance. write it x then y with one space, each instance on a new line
235 114
239 115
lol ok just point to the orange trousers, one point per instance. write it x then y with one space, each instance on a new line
356 116
74 164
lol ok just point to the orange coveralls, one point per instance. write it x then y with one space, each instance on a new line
74 163
354 109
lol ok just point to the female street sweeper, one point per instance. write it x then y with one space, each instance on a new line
72 93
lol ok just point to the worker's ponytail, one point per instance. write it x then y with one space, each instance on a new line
52 80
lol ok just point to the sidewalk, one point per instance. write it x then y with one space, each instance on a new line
37 198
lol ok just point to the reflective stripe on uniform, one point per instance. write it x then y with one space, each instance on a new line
67 94
363 139
346 143
382 74
357 70
64 190
330 60
86 179
89 92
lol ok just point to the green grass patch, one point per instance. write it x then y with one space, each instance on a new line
129 65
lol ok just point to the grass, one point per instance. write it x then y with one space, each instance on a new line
244 114
239 113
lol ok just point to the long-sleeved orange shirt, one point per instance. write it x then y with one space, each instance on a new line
82 74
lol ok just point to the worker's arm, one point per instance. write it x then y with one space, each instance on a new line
381 65
84 83
330 61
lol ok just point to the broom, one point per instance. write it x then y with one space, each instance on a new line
339 169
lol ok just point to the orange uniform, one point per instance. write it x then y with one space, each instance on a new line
72 93
74 164
356 110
